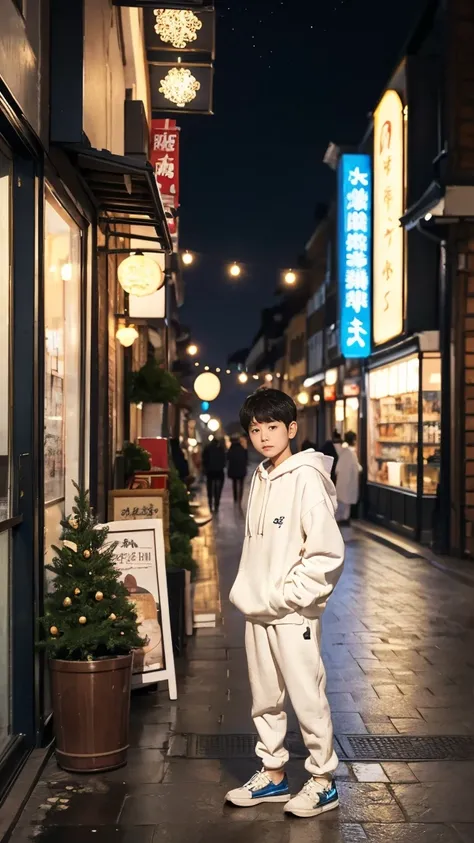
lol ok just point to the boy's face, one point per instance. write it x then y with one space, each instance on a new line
271 439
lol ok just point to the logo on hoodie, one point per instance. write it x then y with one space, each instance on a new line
279 521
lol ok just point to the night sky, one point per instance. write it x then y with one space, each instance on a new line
290 76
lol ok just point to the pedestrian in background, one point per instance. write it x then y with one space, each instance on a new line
213 463
237 463
348 472
333 448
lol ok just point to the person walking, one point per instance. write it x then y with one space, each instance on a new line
291 561
237 463
348 472
333 448
213 463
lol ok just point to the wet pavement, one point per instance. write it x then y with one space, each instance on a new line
399 650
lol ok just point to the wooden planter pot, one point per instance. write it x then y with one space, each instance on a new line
91 707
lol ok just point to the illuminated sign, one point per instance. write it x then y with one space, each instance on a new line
388 208
355 259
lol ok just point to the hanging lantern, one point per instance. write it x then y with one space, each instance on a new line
177 27
126 335
207 386
179 86
140 275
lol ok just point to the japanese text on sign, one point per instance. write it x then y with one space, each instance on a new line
355 228
388 208
164 157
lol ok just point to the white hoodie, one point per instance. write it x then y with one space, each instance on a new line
293 550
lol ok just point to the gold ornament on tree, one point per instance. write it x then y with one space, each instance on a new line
54 630
82 620
77 591
177 27
112 617
67 601
99 596
86 554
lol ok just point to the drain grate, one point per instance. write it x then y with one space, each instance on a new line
407 747
348 747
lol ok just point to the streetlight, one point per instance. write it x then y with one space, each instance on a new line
290 278
187 258
243 377
235 270
303 398
192 350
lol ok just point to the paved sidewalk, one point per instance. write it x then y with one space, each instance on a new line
399 649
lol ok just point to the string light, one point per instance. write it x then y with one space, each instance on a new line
290 277
187 258
235 270
213 425
243 377
303 398
192 350
126 335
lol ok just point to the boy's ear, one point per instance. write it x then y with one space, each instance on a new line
292 430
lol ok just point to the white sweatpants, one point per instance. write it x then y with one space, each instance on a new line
281 660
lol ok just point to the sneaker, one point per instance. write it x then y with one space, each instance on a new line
259 788
313 800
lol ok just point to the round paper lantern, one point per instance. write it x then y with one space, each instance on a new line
140 275
207 386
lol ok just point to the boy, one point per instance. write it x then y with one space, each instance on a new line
292 558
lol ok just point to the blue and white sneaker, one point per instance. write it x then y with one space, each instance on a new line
258 789
313 799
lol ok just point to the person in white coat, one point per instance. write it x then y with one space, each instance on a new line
291 561
348 472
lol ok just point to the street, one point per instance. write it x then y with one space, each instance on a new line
399 651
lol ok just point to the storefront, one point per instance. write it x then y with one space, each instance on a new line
404 442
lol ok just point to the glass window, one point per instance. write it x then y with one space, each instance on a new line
5 450
393 424
62 316
431 388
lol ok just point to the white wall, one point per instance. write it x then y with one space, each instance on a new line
106 78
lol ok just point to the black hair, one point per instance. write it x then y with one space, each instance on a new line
336 437
267 405
351 438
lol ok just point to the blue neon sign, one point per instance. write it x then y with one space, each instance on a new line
355 254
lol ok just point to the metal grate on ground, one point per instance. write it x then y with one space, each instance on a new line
348 747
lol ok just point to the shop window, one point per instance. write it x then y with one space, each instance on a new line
62 318
400 429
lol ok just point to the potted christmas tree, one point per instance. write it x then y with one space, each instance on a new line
90 631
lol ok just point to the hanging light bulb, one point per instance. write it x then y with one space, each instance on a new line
126 335
268 377
243 377
235 270
290 277
187 258
192 350
140 275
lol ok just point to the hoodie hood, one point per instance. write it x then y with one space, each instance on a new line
263 481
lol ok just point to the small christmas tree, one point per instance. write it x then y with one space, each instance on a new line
88 613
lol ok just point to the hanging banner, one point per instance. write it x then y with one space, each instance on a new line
164 158
354 247
388 309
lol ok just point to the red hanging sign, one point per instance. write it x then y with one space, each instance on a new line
164 158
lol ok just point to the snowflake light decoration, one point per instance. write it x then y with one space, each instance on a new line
177 27
179 86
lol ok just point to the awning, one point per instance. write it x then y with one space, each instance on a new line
441 204
124 187
425 205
